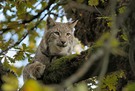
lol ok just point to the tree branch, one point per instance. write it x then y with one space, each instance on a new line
33 17
64 67
23 36
36 16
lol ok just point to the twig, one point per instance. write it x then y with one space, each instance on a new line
23 37
36 16
82 70
104 68
73 4
98 11
107 45
32 18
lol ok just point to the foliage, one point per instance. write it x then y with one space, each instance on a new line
23 23
129 87
111 80
32 85
20 25
10 82
93 2
57 63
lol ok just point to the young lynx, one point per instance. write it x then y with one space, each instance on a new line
58 40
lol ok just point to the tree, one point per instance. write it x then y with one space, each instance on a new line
105 26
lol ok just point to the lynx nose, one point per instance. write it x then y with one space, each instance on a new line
63 42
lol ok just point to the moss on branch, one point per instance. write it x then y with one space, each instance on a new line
64 67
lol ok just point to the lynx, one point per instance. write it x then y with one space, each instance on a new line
57 41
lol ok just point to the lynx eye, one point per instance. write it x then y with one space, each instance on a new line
68 34
57 33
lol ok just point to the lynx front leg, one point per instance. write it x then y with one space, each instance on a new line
34 70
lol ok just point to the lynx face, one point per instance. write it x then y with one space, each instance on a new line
59 37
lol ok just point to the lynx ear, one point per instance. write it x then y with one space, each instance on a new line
72 24
50 22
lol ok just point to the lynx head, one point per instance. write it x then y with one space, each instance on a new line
59 37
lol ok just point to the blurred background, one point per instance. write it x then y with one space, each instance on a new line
104 32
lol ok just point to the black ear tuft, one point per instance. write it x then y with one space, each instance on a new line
50 22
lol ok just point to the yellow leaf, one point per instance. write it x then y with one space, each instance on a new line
32 45
102 39
16 70
32 85
6 63
81 87
109 24
93 2
122 10
114 43
11 82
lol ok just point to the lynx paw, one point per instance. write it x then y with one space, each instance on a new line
37 70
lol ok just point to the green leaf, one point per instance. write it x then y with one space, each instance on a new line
111 80
124 37
19 56
93 2
29 57
6 63
19 71
81 87
11 59
129 87
44 4
16 70
24 46
42 25
122 9
102 1
30 4
102 39
13 24
21 8
5 44
114 43
10 82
